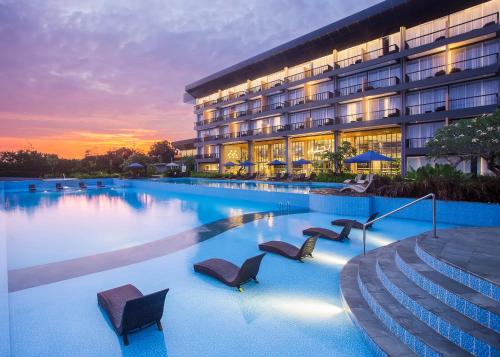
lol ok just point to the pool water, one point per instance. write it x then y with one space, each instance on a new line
290 187
46 227
295 310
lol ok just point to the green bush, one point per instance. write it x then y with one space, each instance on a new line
332 177
208 175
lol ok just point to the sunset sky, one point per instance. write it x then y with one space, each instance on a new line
94 75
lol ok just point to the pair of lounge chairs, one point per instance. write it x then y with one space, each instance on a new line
360 185
348 224
234 276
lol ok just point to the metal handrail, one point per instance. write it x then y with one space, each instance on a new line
399 209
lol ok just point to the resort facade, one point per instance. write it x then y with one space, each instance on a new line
384 79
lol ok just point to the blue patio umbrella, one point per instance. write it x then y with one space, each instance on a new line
276 163
229 164
302 162
368 157
135 165
247 163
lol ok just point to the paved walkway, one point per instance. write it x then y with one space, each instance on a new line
476 250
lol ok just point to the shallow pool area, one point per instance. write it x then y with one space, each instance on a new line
295 310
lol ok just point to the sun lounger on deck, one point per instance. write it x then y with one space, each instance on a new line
355 224
290 251
230 274
82 185
328 233
99 184
59 186
128 309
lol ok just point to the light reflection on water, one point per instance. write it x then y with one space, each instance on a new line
53 226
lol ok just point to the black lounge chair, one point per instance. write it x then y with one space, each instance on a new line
290 251
32 188
355 224
82 185
99 184
230 274
59 186
328 233
128 309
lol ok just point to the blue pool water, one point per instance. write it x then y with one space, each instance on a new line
290 187
295 310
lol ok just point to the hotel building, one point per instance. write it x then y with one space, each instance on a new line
384 79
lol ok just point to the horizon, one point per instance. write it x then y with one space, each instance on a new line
96 76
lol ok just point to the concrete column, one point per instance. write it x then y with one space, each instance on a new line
334 56
221 163
402 42
403 149
336 144
250 155
287 155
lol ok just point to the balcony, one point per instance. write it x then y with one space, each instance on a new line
367 86
417 143
441 34
310 98
211 156
474 101
367 56
426 108
455 67
308 73
374 115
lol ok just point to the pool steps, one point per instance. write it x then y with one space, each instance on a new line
392 291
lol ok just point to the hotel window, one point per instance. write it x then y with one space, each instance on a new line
321 91
322 64
383 77
240 109
474 94
426 33
426 67
276 101
296 96
350 56
417 135
323 113
278 152
473 18
351 112
427 101
351 84
384 107
298 120
475 56
299 72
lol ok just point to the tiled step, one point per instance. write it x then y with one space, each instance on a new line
479 269
417 335
457 328
462 298
377 335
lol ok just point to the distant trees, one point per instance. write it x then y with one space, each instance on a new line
32 163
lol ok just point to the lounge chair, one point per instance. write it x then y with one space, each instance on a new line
360 188
59 186
354 180
355 224
230 274
32 188
290 251
128 309
82 185
99 184
328 233
276 177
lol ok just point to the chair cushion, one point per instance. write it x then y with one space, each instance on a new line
282 248
113 301
218 268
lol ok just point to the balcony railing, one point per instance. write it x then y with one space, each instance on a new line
474 101
374 115
367 56
273 84
430 72
308 73
370 85
213 155
417 143
310 98
273 106
473 63
454 30
424 108
458 66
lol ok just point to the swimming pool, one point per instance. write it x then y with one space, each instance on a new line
269 186
296 309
